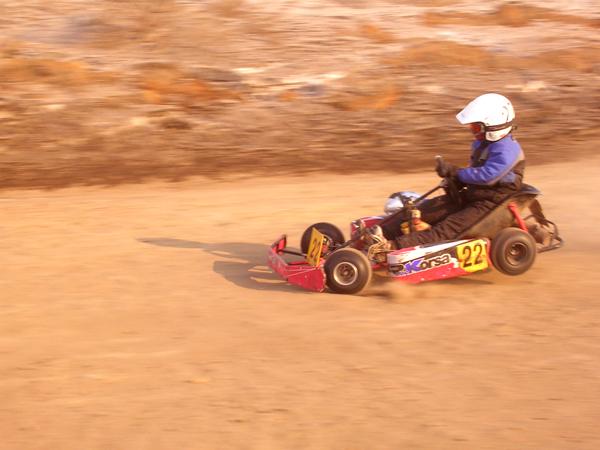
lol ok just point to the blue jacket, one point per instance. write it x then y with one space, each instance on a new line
494 165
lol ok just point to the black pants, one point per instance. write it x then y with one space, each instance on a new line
446 219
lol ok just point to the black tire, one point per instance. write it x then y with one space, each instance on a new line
513 251
347 271
331 232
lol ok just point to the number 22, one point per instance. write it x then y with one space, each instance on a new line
472 256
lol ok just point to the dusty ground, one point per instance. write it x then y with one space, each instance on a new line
143 317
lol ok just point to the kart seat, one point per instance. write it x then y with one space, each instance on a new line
528 189
501 217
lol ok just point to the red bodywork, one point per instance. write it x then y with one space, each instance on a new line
300 272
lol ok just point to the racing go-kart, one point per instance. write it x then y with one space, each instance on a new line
507 238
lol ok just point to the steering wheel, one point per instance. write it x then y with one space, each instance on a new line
449 184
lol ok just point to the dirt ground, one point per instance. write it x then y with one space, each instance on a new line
144 317
151 150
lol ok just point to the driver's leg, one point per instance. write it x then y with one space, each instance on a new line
432 211
435 209
449 228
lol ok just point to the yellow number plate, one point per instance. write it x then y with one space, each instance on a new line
314 249
472 255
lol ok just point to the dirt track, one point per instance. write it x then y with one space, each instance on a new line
144 317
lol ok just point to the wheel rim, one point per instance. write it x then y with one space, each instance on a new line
516 254
345 273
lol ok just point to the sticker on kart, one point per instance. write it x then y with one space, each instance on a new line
421 264
472 255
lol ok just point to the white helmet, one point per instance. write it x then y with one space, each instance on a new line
492 114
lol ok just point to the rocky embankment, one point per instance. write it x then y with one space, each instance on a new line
172 89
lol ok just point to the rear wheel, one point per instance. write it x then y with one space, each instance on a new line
348 271
333 236
513 251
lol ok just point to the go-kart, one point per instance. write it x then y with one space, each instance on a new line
507 238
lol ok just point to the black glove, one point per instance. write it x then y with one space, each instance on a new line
446 170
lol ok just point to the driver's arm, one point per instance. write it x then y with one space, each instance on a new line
500 162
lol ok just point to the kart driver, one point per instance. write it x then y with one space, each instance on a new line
496 171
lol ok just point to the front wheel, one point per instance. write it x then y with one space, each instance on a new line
513 251
348 271
333 236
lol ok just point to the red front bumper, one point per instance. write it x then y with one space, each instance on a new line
300 272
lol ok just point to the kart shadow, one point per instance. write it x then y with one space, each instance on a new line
244 266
